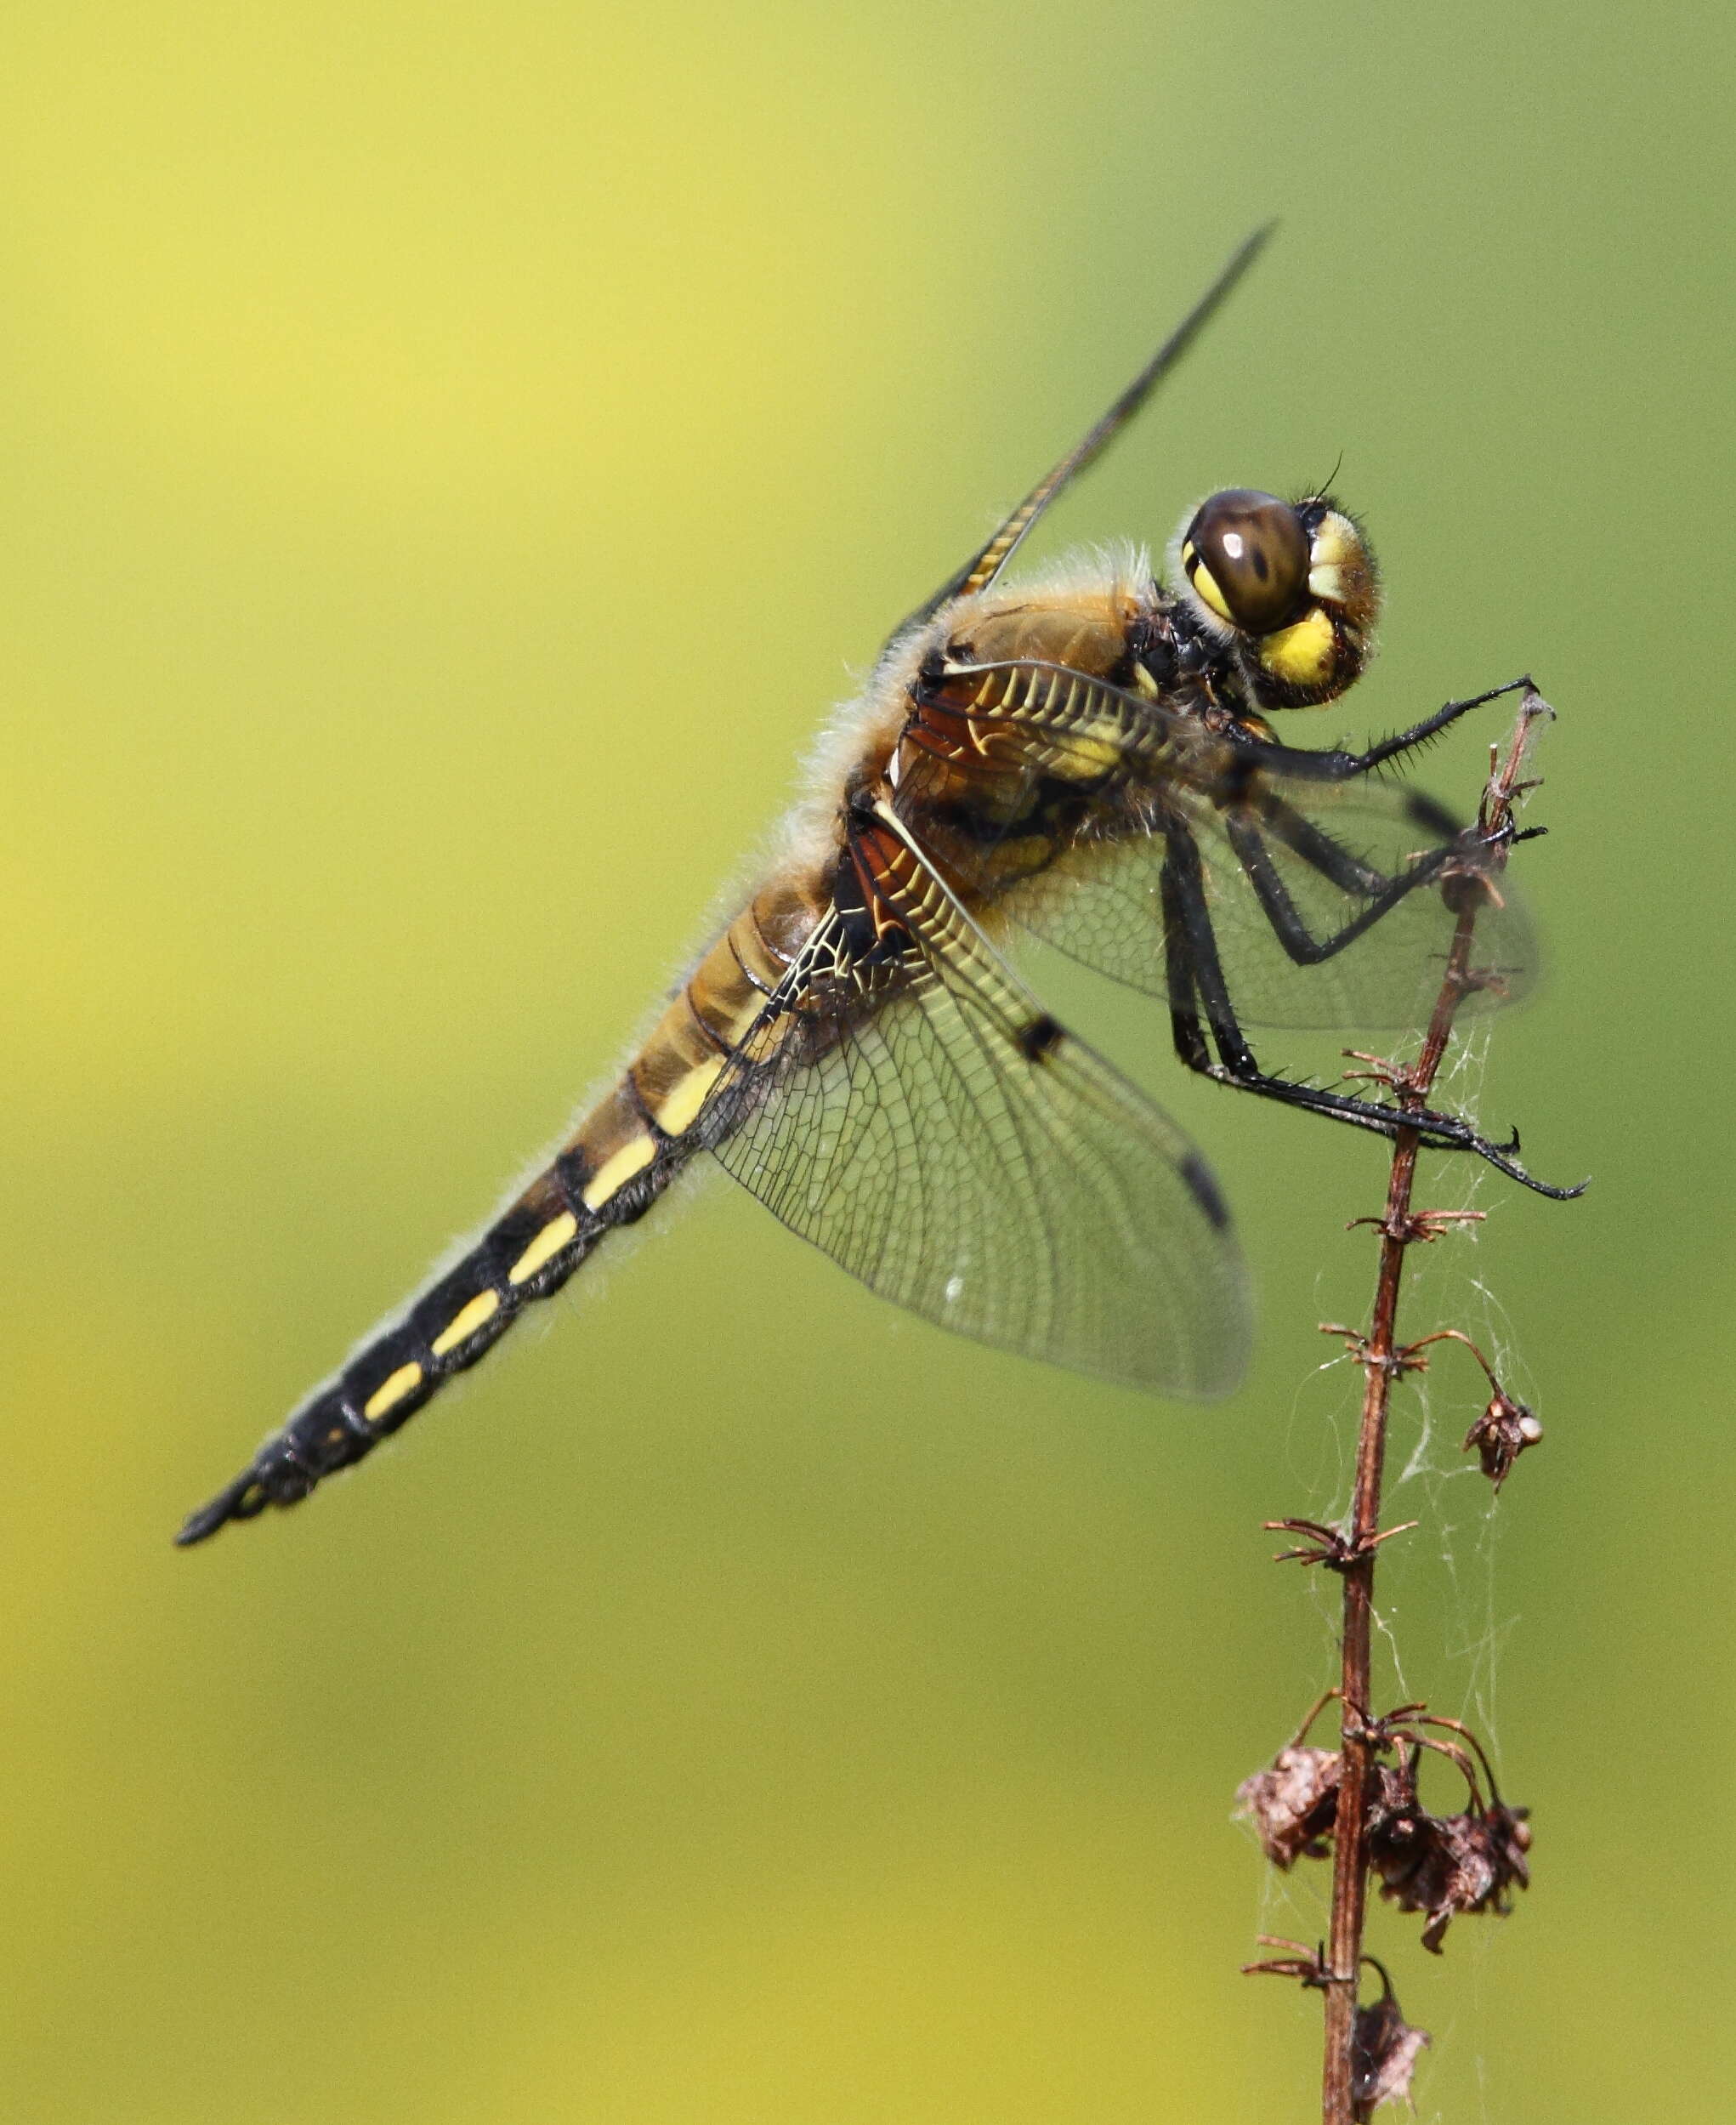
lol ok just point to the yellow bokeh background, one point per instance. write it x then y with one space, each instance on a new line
450 459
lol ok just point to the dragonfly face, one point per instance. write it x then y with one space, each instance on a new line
1085 758
1292 585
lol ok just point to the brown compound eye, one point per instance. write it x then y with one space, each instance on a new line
1246 555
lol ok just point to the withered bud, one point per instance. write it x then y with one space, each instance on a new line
1510 1833
1445 1865
1293 1804
1501 1434
1383 2054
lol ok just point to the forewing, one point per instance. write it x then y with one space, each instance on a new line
1326 896
988 562
950 1146
1334 853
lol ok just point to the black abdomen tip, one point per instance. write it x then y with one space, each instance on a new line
229 1504
280 1474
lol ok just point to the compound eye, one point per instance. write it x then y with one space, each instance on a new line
1246 555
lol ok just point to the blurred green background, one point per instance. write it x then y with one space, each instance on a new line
450 457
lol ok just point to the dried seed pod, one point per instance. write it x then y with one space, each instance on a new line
1292 1804
1445 1865
1384 2050
1501 1434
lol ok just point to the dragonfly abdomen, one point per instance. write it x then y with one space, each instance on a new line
620 1157
610 1174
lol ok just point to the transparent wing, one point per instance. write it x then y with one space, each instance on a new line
925 1123
1353 871
1326 895
988 562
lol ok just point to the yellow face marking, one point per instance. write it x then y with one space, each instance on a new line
1205 588
464 1323
1340 568
557 1233
676 1112
614 1174
1335 542
391 1391
1301 656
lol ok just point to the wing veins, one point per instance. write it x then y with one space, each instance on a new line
1032 1199
989 558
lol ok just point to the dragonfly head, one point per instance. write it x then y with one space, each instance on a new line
1292 586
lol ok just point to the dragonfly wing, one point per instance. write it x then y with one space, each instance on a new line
1331 901
988 562
1324 849
923 1122
1292 866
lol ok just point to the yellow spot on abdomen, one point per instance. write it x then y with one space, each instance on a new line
557 1233
676 1112
1301 656
614 1174
464 1324
391 1391
728 1020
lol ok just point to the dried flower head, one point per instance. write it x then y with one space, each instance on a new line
1384 2050
1445 1865
1292 1805
1501 1434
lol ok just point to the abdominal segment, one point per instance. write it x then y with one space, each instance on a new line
620 1157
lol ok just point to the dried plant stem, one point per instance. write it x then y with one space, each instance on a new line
1382 1360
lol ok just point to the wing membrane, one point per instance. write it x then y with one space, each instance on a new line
1325 896
941 1138
1101 904
988 562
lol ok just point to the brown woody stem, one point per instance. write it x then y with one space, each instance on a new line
1380 1359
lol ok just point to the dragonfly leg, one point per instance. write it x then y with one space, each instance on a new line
1340 766
1380 892
1197 990
1405 742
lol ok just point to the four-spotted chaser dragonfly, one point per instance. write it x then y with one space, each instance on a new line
1084 756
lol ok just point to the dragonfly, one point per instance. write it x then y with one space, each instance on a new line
1084 757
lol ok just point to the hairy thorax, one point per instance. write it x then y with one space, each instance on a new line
995 796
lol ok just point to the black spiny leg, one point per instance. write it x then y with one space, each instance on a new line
1197 985
1345 767
1380 892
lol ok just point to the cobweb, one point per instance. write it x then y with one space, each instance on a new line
1439 1623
